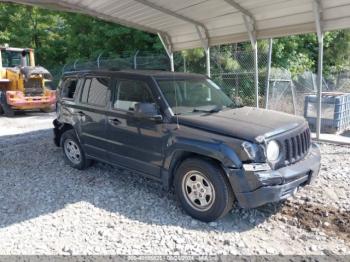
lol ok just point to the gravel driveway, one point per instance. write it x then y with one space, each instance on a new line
49 208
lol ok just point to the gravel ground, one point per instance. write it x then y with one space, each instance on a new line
49 208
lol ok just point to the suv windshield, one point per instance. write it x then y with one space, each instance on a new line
194 95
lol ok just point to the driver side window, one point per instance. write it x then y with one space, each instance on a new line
131 92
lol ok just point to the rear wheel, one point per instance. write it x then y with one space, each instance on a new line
73 152
203 190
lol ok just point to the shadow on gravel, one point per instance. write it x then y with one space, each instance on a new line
35 181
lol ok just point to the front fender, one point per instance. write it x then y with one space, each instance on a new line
211 149
180 148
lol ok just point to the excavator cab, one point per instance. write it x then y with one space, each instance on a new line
23 86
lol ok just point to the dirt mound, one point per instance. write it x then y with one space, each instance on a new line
312 217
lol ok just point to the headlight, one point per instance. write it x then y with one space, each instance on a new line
272 151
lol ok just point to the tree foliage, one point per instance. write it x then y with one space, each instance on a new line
60 37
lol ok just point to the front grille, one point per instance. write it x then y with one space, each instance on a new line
33 87
296 147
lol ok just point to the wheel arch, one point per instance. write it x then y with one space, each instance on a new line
59 129
218 154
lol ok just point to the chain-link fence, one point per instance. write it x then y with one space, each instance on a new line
281 95
235 73
232 70
298 95
288 94
125 60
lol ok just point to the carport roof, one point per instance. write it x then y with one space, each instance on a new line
188 24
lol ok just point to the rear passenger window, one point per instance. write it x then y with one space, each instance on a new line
130 92
69 87
95 91
85 93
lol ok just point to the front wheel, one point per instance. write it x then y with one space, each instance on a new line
73 152
203 190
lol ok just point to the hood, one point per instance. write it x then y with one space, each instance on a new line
246 123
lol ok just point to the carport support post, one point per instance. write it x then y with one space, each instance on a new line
318 20
207 54
205 44
267 92
135 59
249 23
172 67
256 74
319 86
168 49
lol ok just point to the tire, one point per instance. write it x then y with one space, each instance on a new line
4 107
212 196
73 152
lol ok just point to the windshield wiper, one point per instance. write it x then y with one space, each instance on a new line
211 111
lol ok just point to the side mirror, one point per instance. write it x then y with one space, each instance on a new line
147 110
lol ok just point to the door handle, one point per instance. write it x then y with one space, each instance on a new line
114 121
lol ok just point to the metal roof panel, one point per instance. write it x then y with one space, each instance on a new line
222 21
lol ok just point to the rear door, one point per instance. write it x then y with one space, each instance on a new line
91 112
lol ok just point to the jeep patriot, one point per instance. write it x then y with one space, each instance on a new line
183 131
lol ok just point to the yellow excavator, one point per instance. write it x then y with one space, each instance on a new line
23 86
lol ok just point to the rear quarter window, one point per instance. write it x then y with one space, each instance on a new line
68 88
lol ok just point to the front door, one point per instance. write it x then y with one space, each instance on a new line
136 143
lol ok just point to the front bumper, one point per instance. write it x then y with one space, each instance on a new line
254 188
30 102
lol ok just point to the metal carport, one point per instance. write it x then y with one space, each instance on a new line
183 24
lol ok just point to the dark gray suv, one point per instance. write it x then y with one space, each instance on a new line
183 131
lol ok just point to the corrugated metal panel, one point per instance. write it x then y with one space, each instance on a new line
222 22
